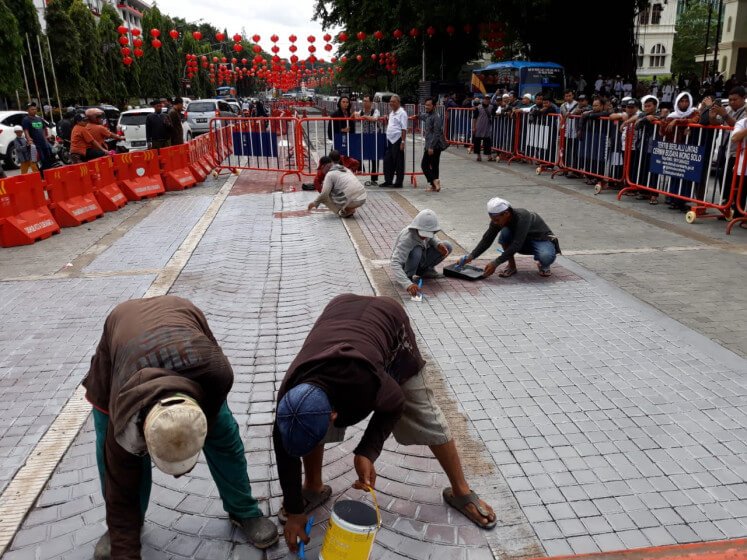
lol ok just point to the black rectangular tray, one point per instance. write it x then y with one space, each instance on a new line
466 272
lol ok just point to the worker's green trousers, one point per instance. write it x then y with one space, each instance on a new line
224 452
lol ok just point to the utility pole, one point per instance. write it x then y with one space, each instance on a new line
54 75
33 69
718 36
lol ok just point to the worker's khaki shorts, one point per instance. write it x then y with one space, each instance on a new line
422 421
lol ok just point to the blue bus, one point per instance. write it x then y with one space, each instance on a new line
521 77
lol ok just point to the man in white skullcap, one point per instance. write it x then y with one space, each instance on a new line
521 231
417 251
158 384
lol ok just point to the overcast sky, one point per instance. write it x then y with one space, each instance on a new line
280 17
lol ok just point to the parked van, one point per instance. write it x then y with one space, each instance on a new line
132 126
200 112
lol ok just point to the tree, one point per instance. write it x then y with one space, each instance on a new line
154 81
65 45
689 42
12 49
28 24
89 44
112 85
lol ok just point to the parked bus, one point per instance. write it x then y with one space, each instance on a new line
521 77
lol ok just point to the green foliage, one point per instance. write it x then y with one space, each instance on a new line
89 44
66 51
12 49
27 17
689 41
155 79
113 74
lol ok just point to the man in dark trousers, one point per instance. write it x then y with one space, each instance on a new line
156 127
174 117
158 384
396 135
34 127
521 231
360 357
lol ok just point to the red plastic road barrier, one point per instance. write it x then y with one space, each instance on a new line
71 197
139 174
105 188
715 550
24 215
194 167
175 168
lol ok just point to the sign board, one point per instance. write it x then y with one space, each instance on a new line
682 161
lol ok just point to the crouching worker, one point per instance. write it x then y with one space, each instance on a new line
158 384
521 231
360 357
342 192
417 251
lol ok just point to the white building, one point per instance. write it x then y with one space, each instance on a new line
732 49
654 36
131 11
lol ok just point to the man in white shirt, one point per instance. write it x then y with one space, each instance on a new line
396 133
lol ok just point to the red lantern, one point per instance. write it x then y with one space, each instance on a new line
197 35
450 30
328 47
342 36
123 40
220 37
138 52
359 58
333 59
378 35
138 42
155 33
414 32
203 58
274 38
257 49
361 36
275 49
327 37
223 59
311 38
292 38
244 61
122 30
234 60
467 28
312 48
344 59
135 32
373 56
125 51
174 34
294 59
293 48
204 64
156 43
127 60
431 31
256 38
215 59
237 38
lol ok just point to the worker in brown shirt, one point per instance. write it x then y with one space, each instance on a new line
360 357
99 131
83 147
158 384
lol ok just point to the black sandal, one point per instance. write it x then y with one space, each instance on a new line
460 503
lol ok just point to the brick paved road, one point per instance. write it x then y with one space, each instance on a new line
591 421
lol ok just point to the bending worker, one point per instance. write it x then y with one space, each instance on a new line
342 192
158 385
360 357
417 251
521 231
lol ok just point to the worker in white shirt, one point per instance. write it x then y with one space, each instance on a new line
396 133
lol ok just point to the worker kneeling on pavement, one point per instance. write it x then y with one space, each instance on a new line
417 251
342 192
158 384
360 357
518 231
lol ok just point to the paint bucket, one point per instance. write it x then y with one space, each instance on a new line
351 530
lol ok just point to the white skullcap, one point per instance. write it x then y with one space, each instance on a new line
505 95
497 205
527 95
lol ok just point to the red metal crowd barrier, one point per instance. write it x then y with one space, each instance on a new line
24 214
71 197
739 186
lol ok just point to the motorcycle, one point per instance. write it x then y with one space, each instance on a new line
61 150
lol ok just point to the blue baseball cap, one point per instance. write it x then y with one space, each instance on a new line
303 418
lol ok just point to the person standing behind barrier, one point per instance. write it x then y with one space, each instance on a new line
100 132
482 128
396 136
24 155
342 192
645 128
371 116
156 132
521 231
340 126
174 117
729 117
676 130
739 134
83 146
416 252
435 143
36 135
570 150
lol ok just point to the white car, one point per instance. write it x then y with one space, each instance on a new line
9 119
131 125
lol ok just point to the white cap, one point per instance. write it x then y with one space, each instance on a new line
505 96
527 95
17 129
426 222
626 99
497 205
175 431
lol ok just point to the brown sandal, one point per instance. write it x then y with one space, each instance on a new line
507 272
460 503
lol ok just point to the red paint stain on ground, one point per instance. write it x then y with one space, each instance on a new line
256 182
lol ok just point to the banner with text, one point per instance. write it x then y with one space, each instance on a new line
678 160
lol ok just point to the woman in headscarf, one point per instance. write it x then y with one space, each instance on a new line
676 130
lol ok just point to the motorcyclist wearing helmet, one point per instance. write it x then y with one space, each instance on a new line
100 132
83 146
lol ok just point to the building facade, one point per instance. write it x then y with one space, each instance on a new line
131 11
654 35
732 48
